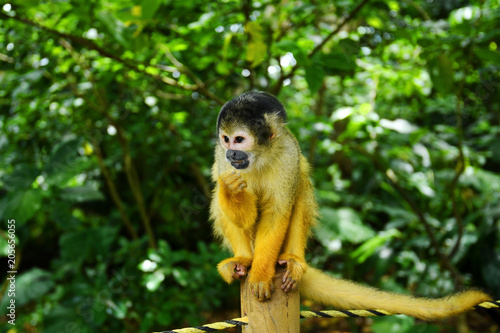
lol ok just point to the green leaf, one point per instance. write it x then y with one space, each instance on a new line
153 281
115 27
21 177
375 22
338 62
256 48
21 206
368 248
315 75
488 55
424 328
400 324
4 246
119 310
30 285
181 276
87 192
202 21
60 317
350 48
421 182
64 163
291 46
86 244
149 8
344 224
147 266
481 180
441 72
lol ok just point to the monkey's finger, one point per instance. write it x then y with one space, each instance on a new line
286 284
289 285
231 177
261 290
286 276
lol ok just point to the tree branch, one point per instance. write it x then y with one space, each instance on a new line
89 44
459 170
112 190
277 87
318 111
443 259
130 170
199 83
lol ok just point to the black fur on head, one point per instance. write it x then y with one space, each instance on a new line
249 109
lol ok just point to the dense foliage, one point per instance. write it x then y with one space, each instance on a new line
107 121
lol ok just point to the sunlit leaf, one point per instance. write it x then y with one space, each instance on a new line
181 276
115 27
87 192
204 18
368 248
256 48
153 281
398 125
293 47
344 224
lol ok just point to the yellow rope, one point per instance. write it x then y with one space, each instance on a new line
307 314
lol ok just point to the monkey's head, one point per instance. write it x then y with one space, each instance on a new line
247 125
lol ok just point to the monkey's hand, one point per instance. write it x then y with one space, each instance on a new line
237 204
233 268
295 267
233 182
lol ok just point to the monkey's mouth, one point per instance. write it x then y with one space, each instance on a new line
243 164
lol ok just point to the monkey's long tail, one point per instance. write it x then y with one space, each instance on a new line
346 295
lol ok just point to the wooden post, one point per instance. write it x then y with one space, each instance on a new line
280 314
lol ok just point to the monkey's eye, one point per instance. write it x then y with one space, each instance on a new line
225 138
239 139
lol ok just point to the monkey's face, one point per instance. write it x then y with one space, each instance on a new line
238 146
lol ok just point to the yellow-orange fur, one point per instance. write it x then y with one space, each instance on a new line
264 215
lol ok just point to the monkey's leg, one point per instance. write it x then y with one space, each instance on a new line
293 255
269 239
293 252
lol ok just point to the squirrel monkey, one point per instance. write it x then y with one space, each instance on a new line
263 208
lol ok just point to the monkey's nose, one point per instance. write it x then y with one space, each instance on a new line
236 155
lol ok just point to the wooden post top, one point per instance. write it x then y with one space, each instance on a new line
280 314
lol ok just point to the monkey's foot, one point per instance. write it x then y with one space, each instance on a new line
233 268
261 290
295 267
233 181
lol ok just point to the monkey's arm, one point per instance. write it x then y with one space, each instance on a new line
235 202
234 211
268 242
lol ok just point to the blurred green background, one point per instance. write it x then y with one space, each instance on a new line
107 120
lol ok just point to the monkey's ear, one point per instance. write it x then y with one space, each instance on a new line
275 123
